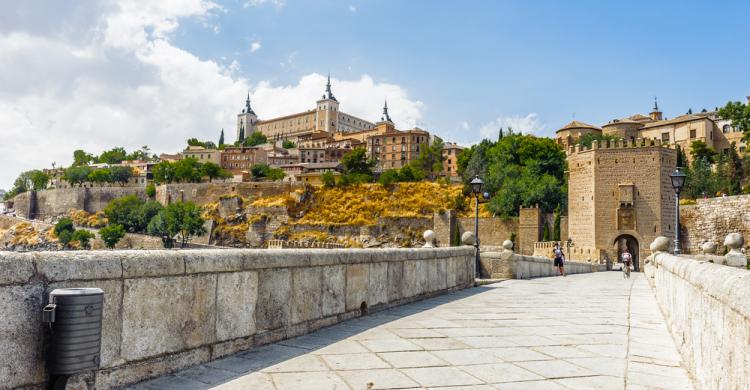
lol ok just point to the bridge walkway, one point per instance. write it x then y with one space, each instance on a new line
589 331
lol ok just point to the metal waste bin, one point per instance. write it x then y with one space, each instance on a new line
74 316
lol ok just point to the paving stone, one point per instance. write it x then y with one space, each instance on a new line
462 357
207 375
555 369
355 361
377 379
302 363
390 345
309 381
412 359
500 372
437 344
441 376
593 383
518 354
254 381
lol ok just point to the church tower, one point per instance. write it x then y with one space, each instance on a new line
246 121
327 111
655 113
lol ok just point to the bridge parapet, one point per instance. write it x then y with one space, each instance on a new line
706 305
167 310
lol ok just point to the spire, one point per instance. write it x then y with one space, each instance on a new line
248 109
656 106
386 117
329 94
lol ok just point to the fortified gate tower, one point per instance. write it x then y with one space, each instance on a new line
619 196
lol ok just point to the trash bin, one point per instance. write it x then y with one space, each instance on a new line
74 316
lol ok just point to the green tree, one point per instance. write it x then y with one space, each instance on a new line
328 179
410 173
700 150
287 144
100 176
260 171
680 156
221 138
151 190
164 172
556 226
187 170
388 177
214 171
80 157
255 138
357 168
83 237
739 114
195 142
120 174
115 155
126 211
77 175
147 211
39 179
111 235
143 154
30 180
700 179
430 160
181 219
545 233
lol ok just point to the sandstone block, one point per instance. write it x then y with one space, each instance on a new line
162 315
396 287
131 373
152 263
442 274
237 294
357 279
275 258
16 267
199 261
323 257
411 283
21 360
273 309
306 294
378 284
79 265
333 298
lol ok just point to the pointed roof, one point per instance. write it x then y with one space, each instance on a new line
656 105
329 94
385 117
248 109
578 125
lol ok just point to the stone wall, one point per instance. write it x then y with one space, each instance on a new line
54 203
712 219
167 310
202 193
509 265
492 231
707 310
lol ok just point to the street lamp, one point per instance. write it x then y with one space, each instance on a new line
476 189
678 180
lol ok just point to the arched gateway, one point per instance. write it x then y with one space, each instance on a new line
626 241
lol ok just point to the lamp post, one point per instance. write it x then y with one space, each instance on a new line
476 189
678 180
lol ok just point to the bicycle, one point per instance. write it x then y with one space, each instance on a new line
625 271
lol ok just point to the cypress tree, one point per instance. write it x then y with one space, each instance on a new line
221 137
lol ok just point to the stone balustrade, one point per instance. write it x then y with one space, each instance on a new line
167 310
282 244
506 264
707 309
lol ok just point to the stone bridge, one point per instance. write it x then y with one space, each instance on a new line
382 319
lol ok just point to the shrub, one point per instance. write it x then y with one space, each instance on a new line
83 237
64 224
112 234
151 190
388 177
328 179
65 237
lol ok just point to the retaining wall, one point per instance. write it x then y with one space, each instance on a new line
167 310
708 312
53 203
712 219
509 265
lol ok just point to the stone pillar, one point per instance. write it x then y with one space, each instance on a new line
529 229
735 258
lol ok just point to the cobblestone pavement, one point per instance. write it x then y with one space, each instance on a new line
592 331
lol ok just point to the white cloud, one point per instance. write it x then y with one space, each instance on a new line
255 46
257 3
120 81
353 9
529 124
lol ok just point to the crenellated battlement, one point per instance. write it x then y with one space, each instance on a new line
620 144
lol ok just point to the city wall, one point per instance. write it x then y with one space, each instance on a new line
58 202
202 193
712 219
167 310
492 231
707 310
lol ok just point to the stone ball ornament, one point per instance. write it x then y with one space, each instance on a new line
508 244
660 244
429 239
708 248
734 241
468 238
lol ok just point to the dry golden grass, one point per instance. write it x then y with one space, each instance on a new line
273 201
83 218
310 235
25 234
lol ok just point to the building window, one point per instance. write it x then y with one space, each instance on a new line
692 133
665 137
726 129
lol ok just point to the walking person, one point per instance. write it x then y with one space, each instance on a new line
627 258
559 262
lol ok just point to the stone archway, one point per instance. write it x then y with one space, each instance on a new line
624 241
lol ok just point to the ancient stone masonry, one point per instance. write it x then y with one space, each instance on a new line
619 195
202 193
167 310
492 231
54 203
706 309
710 220
505 264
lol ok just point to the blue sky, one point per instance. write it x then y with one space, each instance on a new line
98 74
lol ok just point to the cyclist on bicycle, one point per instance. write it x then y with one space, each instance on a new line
627 258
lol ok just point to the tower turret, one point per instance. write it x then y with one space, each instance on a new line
246 120
655 113
327 111
385 117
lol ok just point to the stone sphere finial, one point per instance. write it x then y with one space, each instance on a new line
660 244
508 244
468 238
429 239
708 248
734 241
